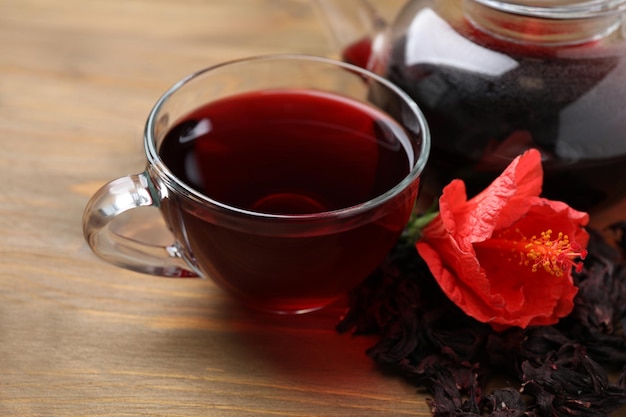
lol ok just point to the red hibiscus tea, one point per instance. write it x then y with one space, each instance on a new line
570 112
278 177
291 153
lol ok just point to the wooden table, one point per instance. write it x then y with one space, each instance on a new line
79 337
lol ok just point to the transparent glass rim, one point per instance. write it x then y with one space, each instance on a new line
557 9
174 183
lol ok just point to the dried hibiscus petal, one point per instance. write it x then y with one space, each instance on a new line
561 369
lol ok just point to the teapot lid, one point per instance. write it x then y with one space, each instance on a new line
556 22
557 9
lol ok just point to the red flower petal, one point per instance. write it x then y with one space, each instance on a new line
483 251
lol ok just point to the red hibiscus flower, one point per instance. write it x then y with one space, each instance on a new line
506 256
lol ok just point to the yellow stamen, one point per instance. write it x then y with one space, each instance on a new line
554 255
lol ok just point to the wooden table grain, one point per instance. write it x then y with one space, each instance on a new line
79 337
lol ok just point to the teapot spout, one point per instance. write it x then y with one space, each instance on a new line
354 26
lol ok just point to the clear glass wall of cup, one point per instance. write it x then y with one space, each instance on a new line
281 178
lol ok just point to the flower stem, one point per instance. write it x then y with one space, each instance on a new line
413 230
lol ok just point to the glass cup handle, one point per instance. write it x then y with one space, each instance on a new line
119 242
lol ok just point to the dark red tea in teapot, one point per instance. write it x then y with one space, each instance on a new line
494 80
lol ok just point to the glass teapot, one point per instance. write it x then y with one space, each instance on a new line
496 77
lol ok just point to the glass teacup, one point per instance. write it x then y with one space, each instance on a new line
278 177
